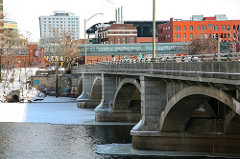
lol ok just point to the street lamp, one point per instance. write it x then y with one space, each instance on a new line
154 29
85 31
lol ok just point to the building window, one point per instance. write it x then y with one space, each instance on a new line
228 35
184 36
213 28
184 28
213 35
216 27
191 28
228 28
225 27
191 36
179 28
124 40
175 36
179 36
199 28
221 27
175 28
131 40
221 35
234 27
225 35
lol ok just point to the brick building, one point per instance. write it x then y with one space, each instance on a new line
218 27
145 30
117 34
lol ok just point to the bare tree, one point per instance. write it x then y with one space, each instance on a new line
203 46
62 46
236 40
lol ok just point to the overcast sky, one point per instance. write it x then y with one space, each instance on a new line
26 12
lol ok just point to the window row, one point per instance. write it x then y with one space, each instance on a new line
61 22
61 25
60 18
221 35
178 28
122 32
131 40
204 27
178 36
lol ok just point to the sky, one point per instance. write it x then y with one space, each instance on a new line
27 12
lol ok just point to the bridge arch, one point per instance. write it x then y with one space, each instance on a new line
179 114
128 96
96 89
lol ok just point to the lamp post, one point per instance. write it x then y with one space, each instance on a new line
154 30
85 40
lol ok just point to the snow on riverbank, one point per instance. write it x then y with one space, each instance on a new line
49 109
62 110
18 79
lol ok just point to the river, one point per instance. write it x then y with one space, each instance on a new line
57 129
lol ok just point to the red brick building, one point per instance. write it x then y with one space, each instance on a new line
185 31
28 59
117 34
145 40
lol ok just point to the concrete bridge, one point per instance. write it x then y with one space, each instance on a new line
179 106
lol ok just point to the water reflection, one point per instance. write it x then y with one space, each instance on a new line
28 140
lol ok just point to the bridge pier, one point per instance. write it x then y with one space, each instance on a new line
196 119
84 100
153 101
120 101
104 111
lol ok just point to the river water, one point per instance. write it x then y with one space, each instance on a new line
47 141
55 129
60 130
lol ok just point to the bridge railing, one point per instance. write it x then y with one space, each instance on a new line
175 58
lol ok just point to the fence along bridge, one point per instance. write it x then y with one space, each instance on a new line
179 106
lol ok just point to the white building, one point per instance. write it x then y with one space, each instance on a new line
59 24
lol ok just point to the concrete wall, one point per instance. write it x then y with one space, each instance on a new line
48 83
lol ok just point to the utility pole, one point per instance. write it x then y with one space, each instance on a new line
57 80
85 39
154 30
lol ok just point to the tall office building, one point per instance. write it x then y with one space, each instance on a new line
58 25
1 23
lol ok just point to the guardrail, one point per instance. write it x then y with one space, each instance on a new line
175 58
